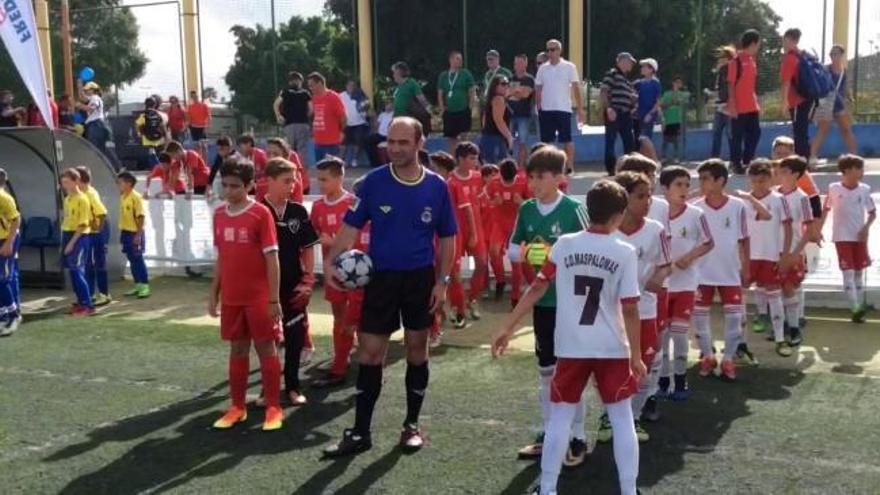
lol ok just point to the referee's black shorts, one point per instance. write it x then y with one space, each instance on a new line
393 297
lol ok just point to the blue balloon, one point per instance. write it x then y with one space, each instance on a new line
87 74
79 118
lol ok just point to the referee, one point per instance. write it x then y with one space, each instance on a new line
407 207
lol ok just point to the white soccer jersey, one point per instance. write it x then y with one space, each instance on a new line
801 212
652 249
659 211
687 230
766 238
727 223
594 273
848 210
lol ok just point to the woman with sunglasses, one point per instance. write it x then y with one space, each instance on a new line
496 139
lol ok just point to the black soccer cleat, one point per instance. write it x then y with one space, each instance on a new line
352 443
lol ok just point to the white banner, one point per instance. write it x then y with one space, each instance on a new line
18 29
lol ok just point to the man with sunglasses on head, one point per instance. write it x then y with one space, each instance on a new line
555 83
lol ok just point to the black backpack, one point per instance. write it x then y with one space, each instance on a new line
154 125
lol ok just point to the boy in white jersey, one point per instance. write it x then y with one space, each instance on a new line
853 211
769 240
792 266
595 274
690 239
724 269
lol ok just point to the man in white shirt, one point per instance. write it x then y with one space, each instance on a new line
555 82
356 127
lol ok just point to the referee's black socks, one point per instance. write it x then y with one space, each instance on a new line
416 385
369 384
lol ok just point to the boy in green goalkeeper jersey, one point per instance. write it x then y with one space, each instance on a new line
540 222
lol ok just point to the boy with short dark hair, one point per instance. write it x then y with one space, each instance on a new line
10 221
96 259
852 209
75 228
506 193
247 148
247 281
131 232
673 103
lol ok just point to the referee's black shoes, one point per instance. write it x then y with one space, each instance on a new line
352 443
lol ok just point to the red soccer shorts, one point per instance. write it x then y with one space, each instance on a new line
355 307
649 341
463 250
681 305
335 296
852 255
764 273
731 295
248 323
500 235
795 275
662 309
614 379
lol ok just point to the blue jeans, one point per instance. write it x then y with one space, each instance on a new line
493 149
720 127
521 127
622 126
322 150
96 133
75 263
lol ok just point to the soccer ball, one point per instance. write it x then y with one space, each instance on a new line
353 268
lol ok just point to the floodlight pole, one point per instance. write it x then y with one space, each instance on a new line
274 49
66 56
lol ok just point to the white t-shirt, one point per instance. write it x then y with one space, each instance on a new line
727 223
651 243
594 273
766 239
659 211
554 82
687 230
801 213
384 120
353 114
96 109
848 210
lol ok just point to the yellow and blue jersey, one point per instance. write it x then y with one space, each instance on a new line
96 207
77 213
8 213
131 207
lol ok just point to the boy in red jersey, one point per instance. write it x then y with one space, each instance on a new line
467 183
327 214
191 165
278 148
443 164
506 194
246 283
247 148
489 174
169 173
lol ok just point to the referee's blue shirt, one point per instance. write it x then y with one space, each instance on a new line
404 217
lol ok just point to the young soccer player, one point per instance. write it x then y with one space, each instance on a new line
10 221
595 275
75 230
326 217
852 211
278 148
539 223
690 240
296 256
444 164
769 239
725 267
169 173
468 183
191 165
506 194
489 174
247 148
651 243
131 233
246 285
96 257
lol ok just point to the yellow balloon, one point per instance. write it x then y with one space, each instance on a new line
79 129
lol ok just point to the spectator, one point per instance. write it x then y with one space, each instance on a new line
65 112
673 102
9 114
329 117
742 104
496 140
493 68
176 119
721 123
619 99
522 98
648 88
383 121
293 106
834 106
555 82
152 126
540 59
198 115
456 92
96 130
357 128
35 117
794 105
408 98
225 150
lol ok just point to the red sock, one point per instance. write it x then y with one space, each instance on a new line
239 367
307 340
497 261
270 373
456 296
515 280
342 344
478 279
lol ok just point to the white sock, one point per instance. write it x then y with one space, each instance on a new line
732 330
860 288
849 286
777 314
578 426
704 331
647 387
626 445
665 340
760 301
801 301
792 305
555 444
545 376
679 348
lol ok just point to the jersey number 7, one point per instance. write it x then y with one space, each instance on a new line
590 287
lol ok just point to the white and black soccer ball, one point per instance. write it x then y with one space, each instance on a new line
353 268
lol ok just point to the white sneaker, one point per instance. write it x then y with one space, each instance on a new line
436 341
10 327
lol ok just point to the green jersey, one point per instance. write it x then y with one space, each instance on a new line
404 94
673 106
538 231
456 86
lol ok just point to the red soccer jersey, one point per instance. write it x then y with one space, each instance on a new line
242 240
745 83
300 170
363 239
192 162
788 73
466 192
328 111
327 216
487 211
170 176
259 158
505 213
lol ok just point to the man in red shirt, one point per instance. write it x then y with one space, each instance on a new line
794 105
328 117
742 105
198 116
246 287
